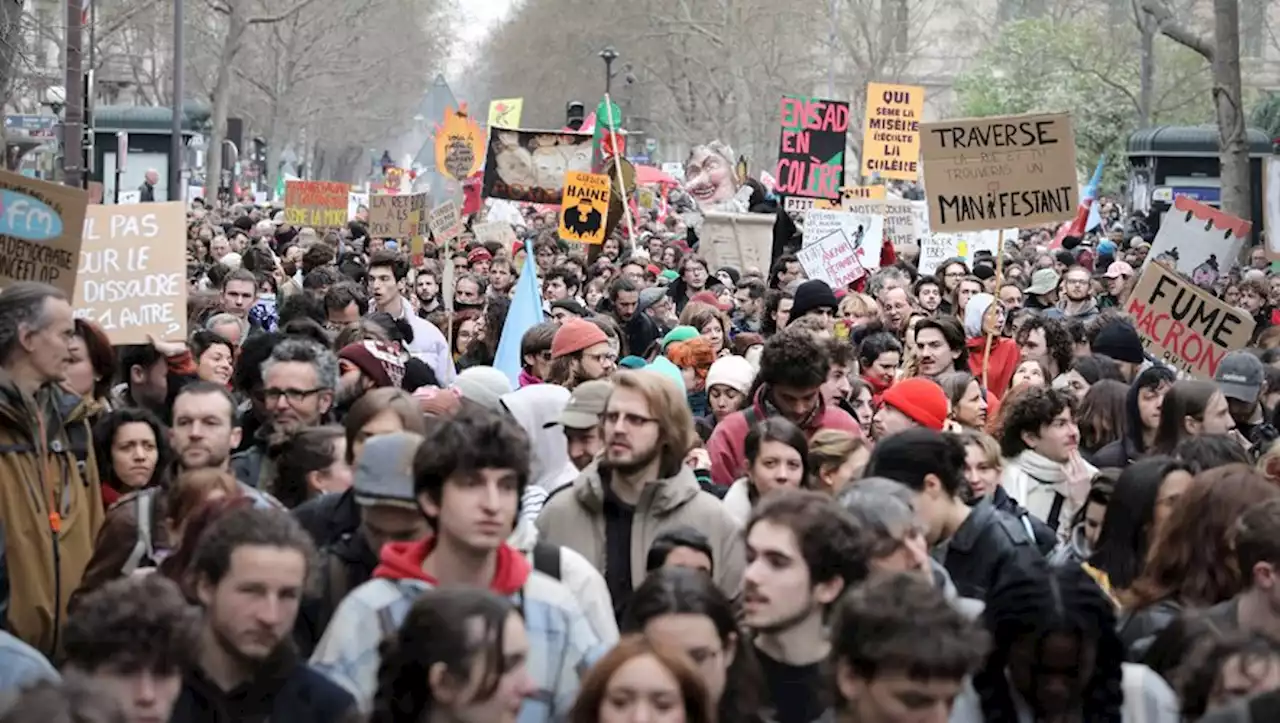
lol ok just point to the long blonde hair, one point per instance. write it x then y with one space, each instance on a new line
669 407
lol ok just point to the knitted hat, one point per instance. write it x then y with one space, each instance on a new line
571 306
479 253
1120 341
632 362
484 386
669 275
663 366
574 336
680 333
921 400
384 472
813 294
710 299
734 372
731 272
381 362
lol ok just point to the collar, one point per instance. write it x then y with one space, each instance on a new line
970 531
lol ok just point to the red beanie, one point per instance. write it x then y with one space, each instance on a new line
574 336
383 363
921 400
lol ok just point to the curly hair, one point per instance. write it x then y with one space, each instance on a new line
1057 339
794 358
440 629
104 438
1190 559
1030 412
695 354
134 624
825 533
1039 600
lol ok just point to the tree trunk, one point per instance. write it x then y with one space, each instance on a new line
237 26
1147 67
1232 144
10 35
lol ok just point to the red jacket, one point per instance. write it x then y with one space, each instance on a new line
1004 361
727 444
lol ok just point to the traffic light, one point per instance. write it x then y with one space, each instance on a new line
575 113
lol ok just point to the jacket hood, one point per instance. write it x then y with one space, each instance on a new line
535 407
659 497
973 312
403 561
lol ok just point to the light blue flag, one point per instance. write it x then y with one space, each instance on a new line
525 312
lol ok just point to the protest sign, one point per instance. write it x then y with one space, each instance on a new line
318 204
862 193
130 197
585 207
1183 326
531 165
445 222
829 254
132 273
1199 241
891 133
1271 206
499 231
800 204
740 240
459 144
985 173
354 202
396 216
938 247
901 224
811 147
505 113
40 231
864 232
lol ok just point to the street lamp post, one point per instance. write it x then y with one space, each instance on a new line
609 55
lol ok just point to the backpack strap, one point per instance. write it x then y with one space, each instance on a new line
750 415
143 549
1055 511
546 559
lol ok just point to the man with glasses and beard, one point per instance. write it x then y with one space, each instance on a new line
640 482
1077 302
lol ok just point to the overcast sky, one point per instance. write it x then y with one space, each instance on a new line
477 17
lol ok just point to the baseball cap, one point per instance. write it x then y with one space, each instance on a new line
585 405
1042 282
1240 376
649 297
384 472
1118 269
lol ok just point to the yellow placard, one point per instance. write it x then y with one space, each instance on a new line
584 207
862 193
505 112
891 132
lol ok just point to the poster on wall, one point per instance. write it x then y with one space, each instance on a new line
524 165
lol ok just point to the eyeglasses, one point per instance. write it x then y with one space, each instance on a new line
603 358
294 396
631 420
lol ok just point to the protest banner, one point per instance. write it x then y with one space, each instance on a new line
740 240
531 165
354 202
800 204
396 216
938 247
811 147
505 113
901 224
445 222
864 232
891 133
459 144
318 204
585 207
499 231
832 257
985 173
1271 206
40 231
1199 241
1184 326
132 271
862 193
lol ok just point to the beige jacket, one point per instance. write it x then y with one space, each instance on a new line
574 518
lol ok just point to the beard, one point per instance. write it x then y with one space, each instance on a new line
637 461
787 622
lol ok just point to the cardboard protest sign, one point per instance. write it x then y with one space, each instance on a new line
864 233
832 250
445 222
1199 241
499 231
318 204
938 247
459 144
396 216
811 147
505 113
531 165
585 207
891 133
901 224
985 173
740 240
40 231
1183 326
132 273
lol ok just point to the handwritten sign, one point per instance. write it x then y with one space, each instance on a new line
445 222
831 255
985 173
938 247
130 197
811 147
506 112
318 204
354 202
1199 241
459 144
901 223
891 133
131 279
740 240
499 231
585 207
40 226
863 231
397 216
1184 326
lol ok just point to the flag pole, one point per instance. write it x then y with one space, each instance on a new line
986 355
617 166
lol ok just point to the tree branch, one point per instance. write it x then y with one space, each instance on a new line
270 19
1177 32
